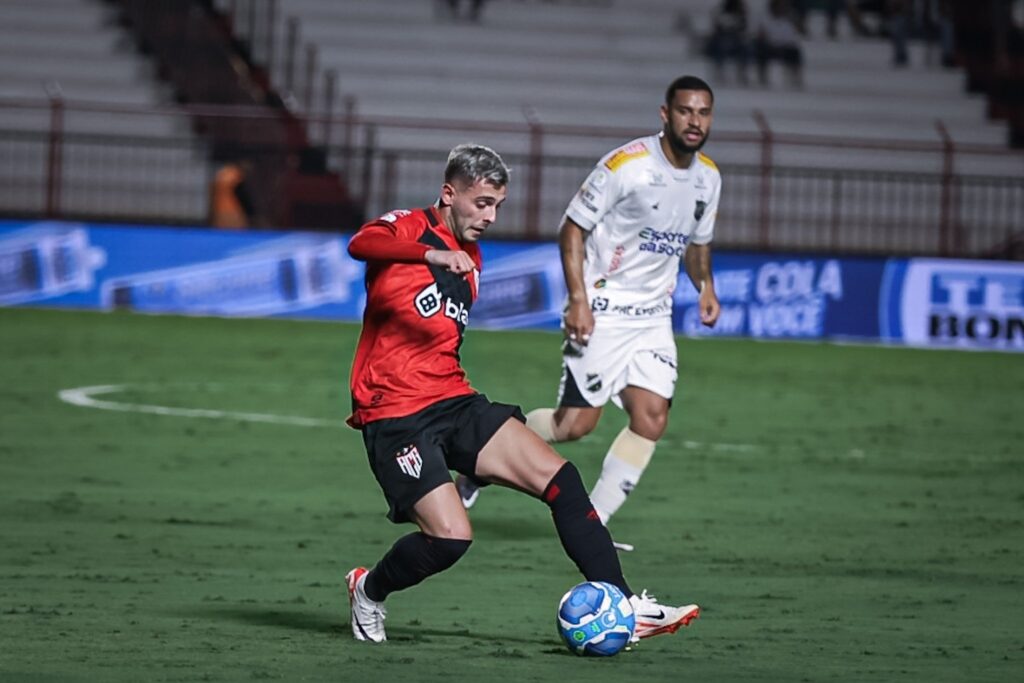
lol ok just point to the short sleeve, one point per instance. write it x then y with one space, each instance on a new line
705 230
596 197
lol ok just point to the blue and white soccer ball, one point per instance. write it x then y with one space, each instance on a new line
595 619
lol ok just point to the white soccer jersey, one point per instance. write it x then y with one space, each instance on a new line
641 212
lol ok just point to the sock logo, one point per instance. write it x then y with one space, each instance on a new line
409 461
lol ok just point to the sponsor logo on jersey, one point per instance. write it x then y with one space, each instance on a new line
663 242
392 216
590 206
429 302
635 151
664 359
698 211
598 178
651 235
656 179
409 461
633 311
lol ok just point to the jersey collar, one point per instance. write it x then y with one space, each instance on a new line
660 153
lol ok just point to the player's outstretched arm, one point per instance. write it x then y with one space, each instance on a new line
380 243
698 266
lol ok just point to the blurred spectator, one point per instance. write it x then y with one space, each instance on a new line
897 23
1005 33
230 201
475 8
946 33
801 8
729 40
776 38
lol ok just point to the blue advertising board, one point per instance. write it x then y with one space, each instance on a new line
920 302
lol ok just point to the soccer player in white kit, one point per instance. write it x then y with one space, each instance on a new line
646 206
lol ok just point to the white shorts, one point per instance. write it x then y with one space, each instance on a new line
615 358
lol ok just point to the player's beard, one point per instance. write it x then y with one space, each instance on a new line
679 146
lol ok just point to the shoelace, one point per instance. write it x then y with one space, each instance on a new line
647 601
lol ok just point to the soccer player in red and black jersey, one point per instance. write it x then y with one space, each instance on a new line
421 418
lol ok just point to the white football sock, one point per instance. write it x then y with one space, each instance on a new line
542 422
625 462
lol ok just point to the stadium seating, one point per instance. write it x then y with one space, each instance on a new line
553 64
605 65
157 170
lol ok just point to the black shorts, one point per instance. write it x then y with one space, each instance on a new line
410 456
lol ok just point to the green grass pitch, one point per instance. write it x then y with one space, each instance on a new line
842 513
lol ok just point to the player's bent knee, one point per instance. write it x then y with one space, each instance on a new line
572 427
650 425
457 532
445 552
565 489
578 430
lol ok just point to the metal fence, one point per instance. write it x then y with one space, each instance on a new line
51 168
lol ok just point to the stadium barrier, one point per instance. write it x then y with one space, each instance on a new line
935 198
942 303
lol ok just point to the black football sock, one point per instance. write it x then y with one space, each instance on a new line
411 559
586 541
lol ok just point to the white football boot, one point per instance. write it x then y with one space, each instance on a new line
367 615
653 618
468 491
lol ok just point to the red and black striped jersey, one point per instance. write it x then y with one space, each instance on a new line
416 313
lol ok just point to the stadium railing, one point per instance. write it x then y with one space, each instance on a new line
54 166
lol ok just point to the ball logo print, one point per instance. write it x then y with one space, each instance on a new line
595 619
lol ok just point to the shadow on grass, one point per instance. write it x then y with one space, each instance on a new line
286 619
512 529
419 633
334 626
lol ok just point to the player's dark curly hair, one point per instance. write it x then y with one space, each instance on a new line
687 83
470 162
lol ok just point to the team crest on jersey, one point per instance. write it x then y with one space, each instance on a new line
409 461
698 212
593 382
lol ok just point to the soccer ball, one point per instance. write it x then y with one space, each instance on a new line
595 619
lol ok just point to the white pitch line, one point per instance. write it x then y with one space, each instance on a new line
83 396
697 445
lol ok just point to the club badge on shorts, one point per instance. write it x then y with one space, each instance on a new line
409 461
